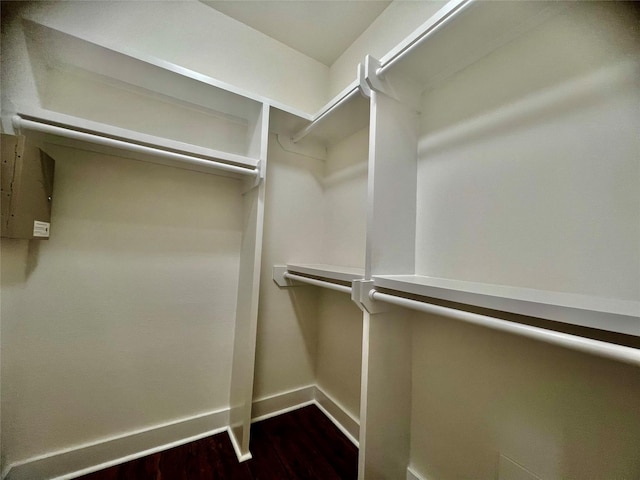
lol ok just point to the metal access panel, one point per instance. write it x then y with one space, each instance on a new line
27 189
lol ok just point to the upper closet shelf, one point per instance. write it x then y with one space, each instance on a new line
459 34
147 98
595 312
343 116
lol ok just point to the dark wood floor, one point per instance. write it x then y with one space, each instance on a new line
302 444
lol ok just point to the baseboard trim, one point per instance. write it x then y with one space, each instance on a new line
346 423
90 457
284 402
87 458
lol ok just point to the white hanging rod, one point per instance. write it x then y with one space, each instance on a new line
317 283
324 115
587 345
21 123
449 14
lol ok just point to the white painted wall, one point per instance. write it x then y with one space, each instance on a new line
528 162
124 318
287 318
345 201
529 175
339 352
315 212
478 393
397 21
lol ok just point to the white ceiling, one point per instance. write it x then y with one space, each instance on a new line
320 29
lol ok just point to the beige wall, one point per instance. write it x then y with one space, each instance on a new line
315 212
478 394
339 352
124 318
528 176
345 201
287 328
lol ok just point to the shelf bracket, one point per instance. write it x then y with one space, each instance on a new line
365 89
281 280
371 66
253 182
360 294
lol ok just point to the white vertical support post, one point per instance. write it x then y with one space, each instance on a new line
385 411
244 347
391 222
385 404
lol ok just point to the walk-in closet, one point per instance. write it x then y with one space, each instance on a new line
412 224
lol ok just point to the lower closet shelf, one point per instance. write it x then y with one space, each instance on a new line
613 315
327 276
60 129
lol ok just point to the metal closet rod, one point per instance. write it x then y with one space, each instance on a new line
19 122
612 351
423 37
306 130
317 283
383 69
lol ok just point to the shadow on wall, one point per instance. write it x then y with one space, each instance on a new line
305 305
19 259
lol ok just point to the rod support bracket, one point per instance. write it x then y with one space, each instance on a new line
371 66
281 280
401 89
365 89
360 294
254 181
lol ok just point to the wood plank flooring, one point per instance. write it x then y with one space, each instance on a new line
302 444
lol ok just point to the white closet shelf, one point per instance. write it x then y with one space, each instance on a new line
60 129
459 34
326 276
343 116
55 49
149 99
329 272
614 315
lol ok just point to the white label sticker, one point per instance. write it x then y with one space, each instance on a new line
41 229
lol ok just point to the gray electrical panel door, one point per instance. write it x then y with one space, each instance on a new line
27 189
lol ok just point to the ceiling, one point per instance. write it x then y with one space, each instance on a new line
320 29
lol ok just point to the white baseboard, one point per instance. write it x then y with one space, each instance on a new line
346 423
280 403
81 460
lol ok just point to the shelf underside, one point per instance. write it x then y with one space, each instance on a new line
475 30
602 313
200 155
329 272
